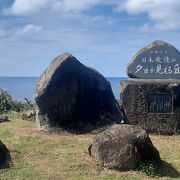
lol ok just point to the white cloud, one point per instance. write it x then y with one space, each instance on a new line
22 7
29 29
71 5
163 13
25 7
10 35
145 28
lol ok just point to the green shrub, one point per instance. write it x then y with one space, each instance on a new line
7 103
149 169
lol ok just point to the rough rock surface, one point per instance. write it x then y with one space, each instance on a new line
26 115
73 97
5 158
159 60
124 147
159 116
3 119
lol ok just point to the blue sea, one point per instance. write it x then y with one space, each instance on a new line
23 87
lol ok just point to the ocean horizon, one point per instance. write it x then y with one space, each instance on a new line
24 87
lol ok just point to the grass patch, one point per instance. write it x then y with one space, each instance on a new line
149 169
37 155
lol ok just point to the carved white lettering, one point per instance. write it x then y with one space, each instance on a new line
138 68
177 69
173 60
151 70
150 60
170 70
166 70
146 71
158 59
144 60
166 59
159 69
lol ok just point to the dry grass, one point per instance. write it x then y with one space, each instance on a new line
38 155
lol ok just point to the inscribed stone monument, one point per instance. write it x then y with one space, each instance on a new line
151 97
159 60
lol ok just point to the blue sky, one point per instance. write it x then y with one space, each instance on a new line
103 34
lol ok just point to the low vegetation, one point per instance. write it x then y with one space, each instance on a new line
8 104
149 169
37 155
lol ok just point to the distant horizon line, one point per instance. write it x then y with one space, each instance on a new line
39 76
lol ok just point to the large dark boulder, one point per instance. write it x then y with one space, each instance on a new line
5 158
124 147
73 97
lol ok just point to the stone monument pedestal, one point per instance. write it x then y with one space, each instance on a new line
154 104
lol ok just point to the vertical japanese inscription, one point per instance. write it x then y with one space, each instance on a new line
160 103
